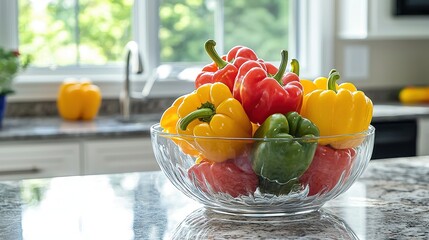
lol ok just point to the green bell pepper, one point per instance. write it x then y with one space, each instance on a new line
279 162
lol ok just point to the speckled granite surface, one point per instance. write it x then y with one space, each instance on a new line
51 128
40 121
390 201
108 107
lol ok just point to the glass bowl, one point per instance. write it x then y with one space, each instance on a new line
265 176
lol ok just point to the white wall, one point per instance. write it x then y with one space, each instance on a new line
382 62
390 63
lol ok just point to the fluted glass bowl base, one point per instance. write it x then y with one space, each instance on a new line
265 213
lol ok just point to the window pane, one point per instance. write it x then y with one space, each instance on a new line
261 25
185 26
105 29
48 30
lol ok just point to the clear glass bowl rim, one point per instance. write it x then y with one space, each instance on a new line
157 129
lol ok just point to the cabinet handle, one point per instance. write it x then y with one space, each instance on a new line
20 171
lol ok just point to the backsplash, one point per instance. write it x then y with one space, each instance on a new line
382 95
108 107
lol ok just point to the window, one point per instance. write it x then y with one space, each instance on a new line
86 38
61 33
262 25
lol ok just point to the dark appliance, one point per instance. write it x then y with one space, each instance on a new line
410 7
395 139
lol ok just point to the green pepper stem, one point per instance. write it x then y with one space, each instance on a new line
332 71
332 80
282 68
211 51
294 66
205 114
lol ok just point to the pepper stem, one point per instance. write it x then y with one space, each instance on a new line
332 80
282 68
294 66
204 114
332 71
211 51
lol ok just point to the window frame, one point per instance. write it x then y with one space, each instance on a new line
312 43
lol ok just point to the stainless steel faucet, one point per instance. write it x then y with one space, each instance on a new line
133 64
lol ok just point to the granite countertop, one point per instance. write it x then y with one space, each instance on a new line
398 111
390 201
45 128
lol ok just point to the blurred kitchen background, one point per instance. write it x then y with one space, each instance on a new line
380 46
366 41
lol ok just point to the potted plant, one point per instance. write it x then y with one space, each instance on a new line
10 64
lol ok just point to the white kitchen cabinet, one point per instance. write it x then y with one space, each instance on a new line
118 156
39 159
365 19
423 137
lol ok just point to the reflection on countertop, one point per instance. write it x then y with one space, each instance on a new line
205 224
390 201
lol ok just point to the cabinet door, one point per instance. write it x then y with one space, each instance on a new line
39 160
119 156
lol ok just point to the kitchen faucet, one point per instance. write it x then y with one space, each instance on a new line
133 64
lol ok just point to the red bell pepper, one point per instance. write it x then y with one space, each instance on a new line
238 55
234 177
219 71
326 168
293 75
262 95
206 75
271 69
246 67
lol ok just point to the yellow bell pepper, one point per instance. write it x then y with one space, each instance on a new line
318 83
337 110
212 111
410 95
169 121
78 100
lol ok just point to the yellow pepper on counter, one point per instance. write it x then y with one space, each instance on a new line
410 95
337 110
211 111
78 100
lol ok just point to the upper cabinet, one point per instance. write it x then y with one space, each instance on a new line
365 19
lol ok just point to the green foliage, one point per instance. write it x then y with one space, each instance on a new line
33 191
261 25
110 33
10 64
48 29
185 26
